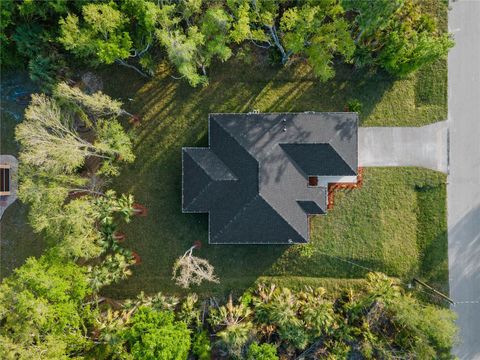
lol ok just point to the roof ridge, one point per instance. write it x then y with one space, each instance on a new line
355 171
241 211
200 193
243 134
210 152
284 219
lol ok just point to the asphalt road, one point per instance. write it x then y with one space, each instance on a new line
463 190
425 146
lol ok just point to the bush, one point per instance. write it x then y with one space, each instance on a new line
201 346
262 352
155 335
354 105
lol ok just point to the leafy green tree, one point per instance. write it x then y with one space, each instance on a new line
42 311
9 56
193 36
73 230
29 30
319 32
396 35
100 37
155 335
256 22
215 26
30 39
182 46
426 331
67 206
144 16
262 352
89 106
316 30
7 12
31 9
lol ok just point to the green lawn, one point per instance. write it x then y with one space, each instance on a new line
388 225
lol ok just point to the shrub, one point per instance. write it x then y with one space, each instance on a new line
354 105
201 346
155 335
262 352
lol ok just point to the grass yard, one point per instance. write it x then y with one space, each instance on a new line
390 225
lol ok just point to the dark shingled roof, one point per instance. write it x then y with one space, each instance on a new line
253 177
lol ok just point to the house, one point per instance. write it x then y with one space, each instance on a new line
263 175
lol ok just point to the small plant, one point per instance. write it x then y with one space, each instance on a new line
262 352
354 105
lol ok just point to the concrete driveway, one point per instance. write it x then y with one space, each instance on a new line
425 146
463 190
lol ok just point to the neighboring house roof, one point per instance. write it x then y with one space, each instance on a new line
253 177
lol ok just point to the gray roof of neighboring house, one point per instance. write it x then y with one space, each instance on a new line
253 177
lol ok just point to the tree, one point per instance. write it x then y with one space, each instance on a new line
262 352
155 335
144 16
112 269
234 327
31 9
297 318
318 32
52 153
101 36
30 39
89 106
425 331
396 35
42 311
73 229
49 140
215 26
190 269
256 22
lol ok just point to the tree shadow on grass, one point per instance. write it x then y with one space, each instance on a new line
176 115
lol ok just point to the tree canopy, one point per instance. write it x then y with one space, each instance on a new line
155 335
49 139
50 307
398 35
100 37
63 199
43 311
